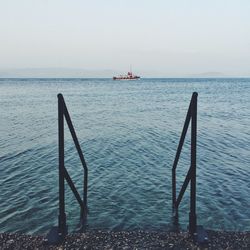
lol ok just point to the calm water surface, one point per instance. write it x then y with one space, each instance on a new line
129 132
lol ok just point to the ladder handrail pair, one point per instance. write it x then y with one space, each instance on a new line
190 177
57 234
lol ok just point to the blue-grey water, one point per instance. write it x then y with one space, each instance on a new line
129 132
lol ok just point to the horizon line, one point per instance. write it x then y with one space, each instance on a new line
153 77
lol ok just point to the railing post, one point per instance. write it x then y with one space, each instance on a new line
85 190
62 216
173 190
57 233
198 232
192 214
84 211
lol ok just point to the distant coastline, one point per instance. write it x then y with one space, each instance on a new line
104 73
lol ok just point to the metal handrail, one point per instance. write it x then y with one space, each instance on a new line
198 232
57 234
191 175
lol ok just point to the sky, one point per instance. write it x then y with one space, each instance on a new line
156 37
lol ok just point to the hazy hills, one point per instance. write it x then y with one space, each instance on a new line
98 73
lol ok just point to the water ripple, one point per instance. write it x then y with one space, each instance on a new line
129 133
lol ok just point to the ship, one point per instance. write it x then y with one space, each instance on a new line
129 76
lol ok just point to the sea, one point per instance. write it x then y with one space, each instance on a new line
129 132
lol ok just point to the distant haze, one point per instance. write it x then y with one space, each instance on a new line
97 38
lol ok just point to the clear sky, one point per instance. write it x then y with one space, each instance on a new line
155 36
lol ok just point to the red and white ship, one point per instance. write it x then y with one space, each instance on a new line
129 76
